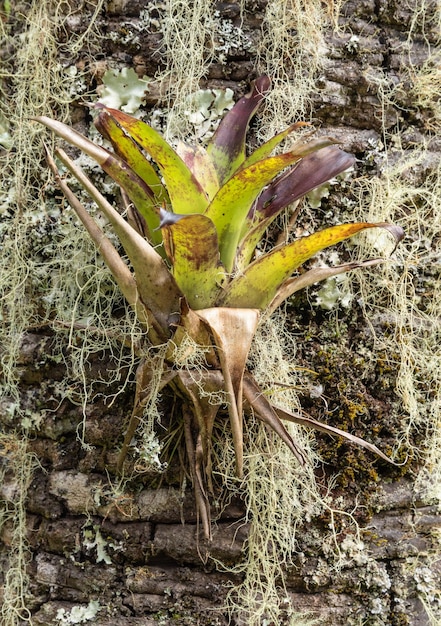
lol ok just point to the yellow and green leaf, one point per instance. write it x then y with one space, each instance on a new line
198 161
185 192
192 247
264 151
132 154
258 284
231 205
117 168
311 171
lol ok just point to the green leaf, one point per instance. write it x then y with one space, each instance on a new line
132 154
258 284
191 245
186 194
321 161
264 151
137 190
156 287
227 146
232 203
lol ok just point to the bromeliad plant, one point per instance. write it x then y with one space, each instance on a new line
195 218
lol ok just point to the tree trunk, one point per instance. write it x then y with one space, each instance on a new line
82 545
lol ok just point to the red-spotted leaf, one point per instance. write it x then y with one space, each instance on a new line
186 194
191 245
258 284
132 154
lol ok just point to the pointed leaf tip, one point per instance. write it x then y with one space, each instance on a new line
259 283
167 218
227 146
311 172
262 85
396 231
185 192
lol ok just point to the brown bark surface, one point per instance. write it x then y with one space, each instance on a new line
139 552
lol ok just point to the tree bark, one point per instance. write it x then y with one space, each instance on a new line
131 552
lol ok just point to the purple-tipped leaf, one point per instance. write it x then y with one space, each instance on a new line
311 172
230 208
227 146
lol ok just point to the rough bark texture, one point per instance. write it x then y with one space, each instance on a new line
139 552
